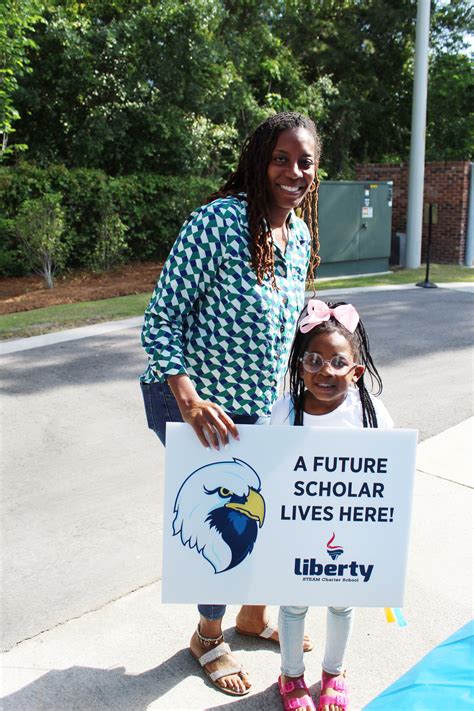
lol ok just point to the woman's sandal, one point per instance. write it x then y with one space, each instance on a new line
267 633
337 684
295 703
216 652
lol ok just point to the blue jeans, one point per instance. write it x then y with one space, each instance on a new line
161 407
291 631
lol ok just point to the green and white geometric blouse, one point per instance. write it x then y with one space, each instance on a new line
209 318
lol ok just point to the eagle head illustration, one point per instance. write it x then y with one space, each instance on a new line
218 511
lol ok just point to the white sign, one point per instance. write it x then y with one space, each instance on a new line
367 211
288 515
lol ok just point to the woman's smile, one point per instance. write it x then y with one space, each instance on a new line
292 188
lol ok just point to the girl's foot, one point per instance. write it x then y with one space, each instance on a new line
237 683
333 692
252 620
292 688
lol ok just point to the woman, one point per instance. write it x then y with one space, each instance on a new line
222 317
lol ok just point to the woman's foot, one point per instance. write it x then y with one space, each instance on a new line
253 619
236 683
292 688
333 692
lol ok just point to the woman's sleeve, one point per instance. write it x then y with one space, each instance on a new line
190 268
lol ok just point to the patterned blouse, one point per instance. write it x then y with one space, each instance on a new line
209 318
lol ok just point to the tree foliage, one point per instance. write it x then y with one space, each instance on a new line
17 21
173 86
450 134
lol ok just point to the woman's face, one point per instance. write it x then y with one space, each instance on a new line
292 168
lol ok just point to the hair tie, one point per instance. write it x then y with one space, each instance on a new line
318 312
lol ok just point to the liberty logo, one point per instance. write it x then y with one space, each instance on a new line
334 551
218 511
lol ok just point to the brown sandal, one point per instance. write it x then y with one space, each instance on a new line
267 633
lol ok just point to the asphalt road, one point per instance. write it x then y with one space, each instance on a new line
83 477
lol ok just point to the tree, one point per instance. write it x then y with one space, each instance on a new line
40 228
169 87
18 19
367 48
450 135
173 87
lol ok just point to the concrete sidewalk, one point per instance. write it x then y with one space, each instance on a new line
131 654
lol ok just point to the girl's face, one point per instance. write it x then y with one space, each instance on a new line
327 389
291 169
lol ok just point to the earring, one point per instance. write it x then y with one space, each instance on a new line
313 187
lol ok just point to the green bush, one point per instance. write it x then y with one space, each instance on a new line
111 246
151 207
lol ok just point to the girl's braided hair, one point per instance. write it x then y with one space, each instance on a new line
250 177
359 343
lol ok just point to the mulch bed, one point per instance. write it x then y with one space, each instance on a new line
28 293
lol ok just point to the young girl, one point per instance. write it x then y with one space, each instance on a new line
329 361
220 323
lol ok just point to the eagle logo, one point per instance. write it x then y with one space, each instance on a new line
218 511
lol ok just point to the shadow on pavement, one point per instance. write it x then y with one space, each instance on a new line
86 688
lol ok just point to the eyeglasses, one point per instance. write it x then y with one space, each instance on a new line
313 362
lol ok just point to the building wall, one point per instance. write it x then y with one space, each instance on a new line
447 184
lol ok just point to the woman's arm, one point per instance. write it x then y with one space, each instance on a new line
193 263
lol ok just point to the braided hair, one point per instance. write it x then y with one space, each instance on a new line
359 343
250 177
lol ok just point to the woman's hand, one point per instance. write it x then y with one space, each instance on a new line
210 423
208 420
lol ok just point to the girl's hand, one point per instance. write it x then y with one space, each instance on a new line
210 423
208 420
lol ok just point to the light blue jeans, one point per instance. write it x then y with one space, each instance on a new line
291 630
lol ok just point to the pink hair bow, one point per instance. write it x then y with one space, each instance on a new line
318 312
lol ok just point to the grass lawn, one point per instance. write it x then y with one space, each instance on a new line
57 318
438 273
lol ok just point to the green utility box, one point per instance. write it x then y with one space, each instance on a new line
355 223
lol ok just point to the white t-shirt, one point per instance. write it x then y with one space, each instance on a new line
348 414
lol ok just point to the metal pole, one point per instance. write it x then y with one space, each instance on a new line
469 250
418 125
427 284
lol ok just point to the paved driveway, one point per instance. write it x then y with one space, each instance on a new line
81 518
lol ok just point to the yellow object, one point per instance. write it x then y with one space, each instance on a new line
389 616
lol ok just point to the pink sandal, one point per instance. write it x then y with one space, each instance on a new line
338 684
296 703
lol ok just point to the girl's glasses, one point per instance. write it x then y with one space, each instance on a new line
313 362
